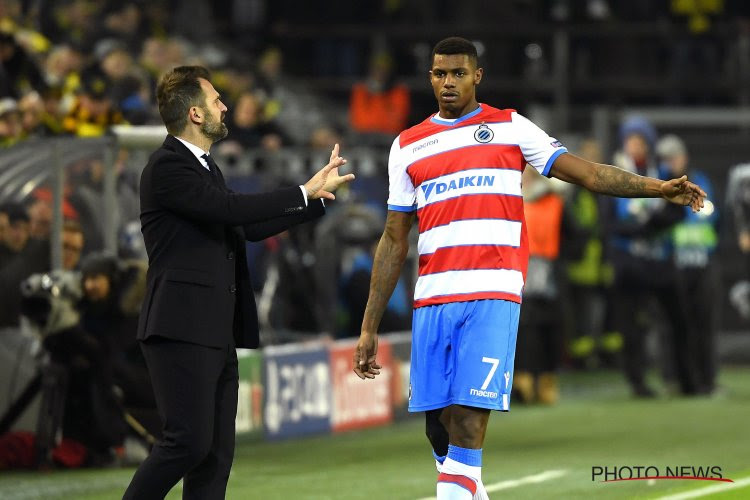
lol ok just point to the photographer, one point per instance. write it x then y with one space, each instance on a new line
92 415
112 294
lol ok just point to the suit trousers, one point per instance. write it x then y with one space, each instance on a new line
195 388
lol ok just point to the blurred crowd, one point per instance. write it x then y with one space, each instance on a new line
605 275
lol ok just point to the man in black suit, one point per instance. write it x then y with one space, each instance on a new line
199 304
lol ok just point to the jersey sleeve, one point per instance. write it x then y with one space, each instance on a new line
539 149
401 194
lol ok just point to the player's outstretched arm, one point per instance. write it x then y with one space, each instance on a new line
386 269
614 181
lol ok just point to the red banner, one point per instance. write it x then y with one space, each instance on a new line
360 403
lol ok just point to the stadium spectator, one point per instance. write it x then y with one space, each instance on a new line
75 22
158 53
87 197
322 135
473 253
130 84
588 275
113 291
132 96
738 201
295 109
72 244
19 72
738 204
539 347
62 67
351 243
694 241
93 111
113 59
15 233
88 412
10 122
249 129
378 106
696 49
640 238
35 120
35 259
354 291
124 21
40 213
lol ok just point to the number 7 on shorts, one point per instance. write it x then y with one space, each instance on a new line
494 362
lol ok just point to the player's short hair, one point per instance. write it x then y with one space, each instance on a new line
455 45
177 92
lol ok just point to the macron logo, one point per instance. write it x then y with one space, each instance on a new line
462 182
483 394
424 145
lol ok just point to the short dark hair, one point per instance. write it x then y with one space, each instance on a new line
97 263
177 92
15 212
455 45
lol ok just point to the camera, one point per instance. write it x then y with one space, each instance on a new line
48 300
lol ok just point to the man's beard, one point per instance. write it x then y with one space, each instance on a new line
213 129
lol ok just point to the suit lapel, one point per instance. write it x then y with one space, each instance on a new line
173 144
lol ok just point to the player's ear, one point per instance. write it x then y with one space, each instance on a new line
478 75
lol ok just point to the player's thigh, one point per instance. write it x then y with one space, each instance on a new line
432 356
485 355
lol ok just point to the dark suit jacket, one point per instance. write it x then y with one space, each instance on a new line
194 228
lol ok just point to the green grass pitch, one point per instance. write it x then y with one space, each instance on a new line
595 424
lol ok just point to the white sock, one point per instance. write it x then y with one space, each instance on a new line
481 493
457 481
452 491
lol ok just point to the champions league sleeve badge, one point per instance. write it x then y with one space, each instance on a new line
483 134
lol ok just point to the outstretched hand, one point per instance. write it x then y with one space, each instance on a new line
683 192
328 180
365 365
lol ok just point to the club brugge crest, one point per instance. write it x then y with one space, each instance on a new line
483 134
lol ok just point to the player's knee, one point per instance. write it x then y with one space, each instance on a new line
467 429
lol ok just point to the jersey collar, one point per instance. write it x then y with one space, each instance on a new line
449 123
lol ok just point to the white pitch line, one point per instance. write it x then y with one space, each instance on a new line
710 490
512 483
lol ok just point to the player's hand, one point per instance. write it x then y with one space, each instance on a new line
683 192
327 180
365 365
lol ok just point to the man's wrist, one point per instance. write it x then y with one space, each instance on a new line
659 189
304 193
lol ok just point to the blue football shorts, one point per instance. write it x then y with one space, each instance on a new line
462 353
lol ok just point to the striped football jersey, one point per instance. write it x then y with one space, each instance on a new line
463 178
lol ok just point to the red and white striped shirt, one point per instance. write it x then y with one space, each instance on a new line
463 177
